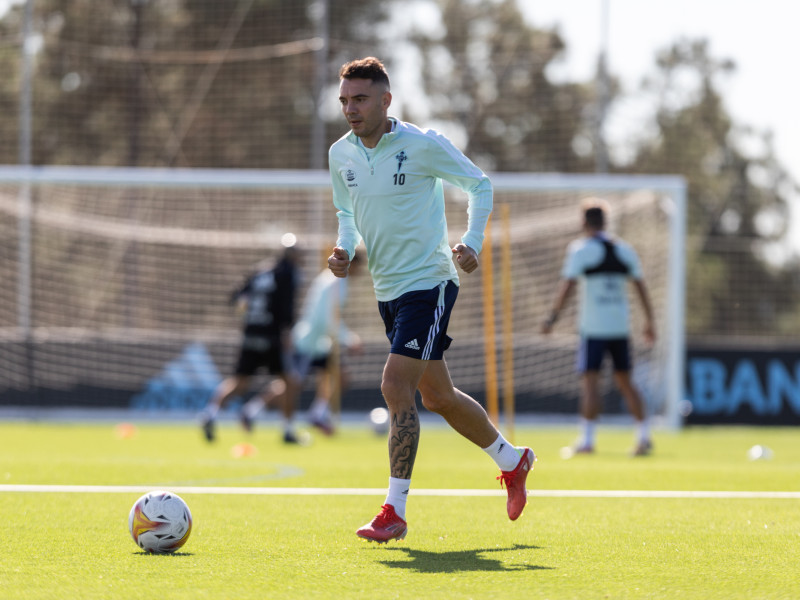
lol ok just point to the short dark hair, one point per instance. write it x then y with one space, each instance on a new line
365 68
594 212
595 217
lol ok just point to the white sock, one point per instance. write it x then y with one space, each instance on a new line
588 431
503 453
210 412
253 407
319 408
642 430
398 494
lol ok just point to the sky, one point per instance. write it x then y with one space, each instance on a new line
760 36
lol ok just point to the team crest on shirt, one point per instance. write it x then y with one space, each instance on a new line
401 158
350 176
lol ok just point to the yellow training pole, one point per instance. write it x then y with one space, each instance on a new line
488 327
508 324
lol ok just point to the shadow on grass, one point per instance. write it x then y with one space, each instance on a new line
161 554
458 561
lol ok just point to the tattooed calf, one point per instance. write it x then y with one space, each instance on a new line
403 442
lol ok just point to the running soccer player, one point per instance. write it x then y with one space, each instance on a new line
316 336
267 297
387 186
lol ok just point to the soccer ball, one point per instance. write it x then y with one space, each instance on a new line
160 522
379 420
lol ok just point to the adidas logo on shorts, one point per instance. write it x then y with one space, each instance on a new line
413 345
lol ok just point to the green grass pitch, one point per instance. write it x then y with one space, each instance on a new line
61 544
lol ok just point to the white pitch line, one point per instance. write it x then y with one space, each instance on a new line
295 491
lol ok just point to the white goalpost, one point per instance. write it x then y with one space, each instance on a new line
117 282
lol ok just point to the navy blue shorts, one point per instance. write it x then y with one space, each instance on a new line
303 364
416 322
261 352
591 352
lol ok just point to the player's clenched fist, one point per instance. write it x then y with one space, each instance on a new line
466 257
339 262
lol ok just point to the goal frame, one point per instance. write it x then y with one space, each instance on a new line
672 186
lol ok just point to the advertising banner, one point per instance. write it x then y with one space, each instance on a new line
743 386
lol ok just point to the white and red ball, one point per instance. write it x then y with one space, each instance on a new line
160 522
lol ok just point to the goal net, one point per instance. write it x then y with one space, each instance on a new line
116 283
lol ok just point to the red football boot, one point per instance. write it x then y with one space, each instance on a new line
384 527
515 484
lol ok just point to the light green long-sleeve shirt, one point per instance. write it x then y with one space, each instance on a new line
392 197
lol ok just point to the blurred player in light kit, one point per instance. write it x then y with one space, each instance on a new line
603 265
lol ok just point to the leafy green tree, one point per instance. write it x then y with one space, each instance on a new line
738 201
486 72
175 82
10 27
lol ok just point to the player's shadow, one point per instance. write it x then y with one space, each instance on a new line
458 561
163 554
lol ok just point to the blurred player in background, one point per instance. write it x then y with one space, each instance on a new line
387 187
317 338
267 298
604 265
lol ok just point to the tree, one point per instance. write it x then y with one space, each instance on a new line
738 201
486 74
10 86
176 82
